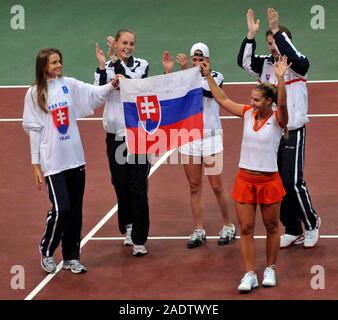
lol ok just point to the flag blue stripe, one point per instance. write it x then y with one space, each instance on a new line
173 110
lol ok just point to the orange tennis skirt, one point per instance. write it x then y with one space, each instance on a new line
260 189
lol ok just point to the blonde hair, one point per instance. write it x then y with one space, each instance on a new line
119 33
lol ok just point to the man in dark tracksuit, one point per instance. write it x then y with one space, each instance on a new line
296 206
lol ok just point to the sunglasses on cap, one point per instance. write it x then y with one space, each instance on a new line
197 54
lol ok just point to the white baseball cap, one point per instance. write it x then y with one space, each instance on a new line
201 47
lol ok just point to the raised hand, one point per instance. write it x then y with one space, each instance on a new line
253 26
182 59
281 66
111 43
167 62
116 81
272 16
101 59
205 68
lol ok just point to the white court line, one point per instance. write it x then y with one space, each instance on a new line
331 236
255 82
15 87
108 215
324 115
234 83
20 119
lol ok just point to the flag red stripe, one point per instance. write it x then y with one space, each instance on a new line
166 137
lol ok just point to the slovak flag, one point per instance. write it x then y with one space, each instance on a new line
149 112
162 112
61 119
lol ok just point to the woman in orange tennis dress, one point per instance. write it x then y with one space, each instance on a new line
258 181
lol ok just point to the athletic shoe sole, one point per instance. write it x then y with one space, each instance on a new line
195 245
299 240
44 268
268 285
247 291
139 254
223 243
74 271
319 223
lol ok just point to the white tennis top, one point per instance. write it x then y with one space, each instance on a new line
260 145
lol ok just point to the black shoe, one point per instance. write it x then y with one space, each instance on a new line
227 235
196 239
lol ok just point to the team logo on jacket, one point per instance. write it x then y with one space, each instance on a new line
149 112
267 76
61 119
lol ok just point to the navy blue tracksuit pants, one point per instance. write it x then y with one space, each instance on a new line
296 206
64 220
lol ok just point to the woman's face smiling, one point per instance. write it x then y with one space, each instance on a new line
54 66
259 103
125 46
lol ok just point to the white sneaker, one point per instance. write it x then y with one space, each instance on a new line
48 264
312 236
227 235
287 240
269 277
74 266
196 238
127 239
139 250
248 282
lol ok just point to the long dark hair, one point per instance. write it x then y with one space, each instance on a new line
41 75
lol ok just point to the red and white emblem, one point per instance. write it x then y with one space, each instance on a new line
61 119
149 112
